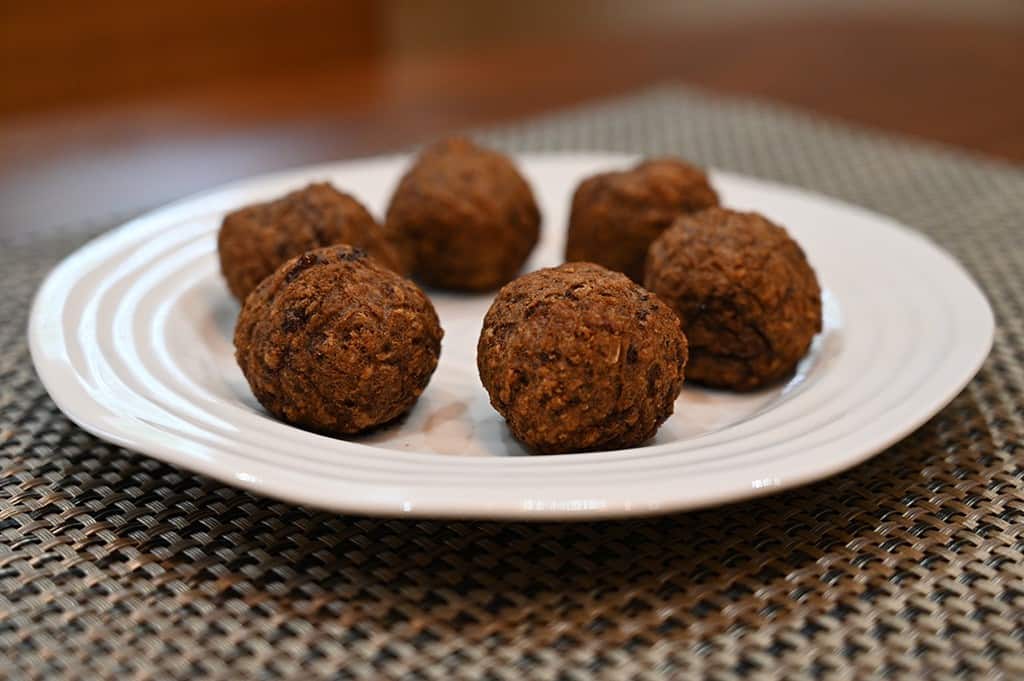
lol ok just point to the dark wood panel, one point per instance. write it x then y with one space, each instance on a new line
60 53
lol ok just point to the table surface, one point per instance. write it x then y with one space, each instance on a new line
910 566
948 81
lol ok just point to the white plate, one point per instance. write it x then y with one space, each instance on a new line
132 337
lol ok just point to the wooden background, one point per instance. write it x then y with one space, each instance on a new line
113 107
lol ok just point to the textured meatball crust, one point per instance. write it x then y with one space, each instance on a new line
748 299
465 216
255 240
615 216
579 358
336 343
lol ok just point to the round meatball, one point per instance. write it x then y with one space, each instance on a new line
254 240
615 216
579 358
465 216
336 343
748 300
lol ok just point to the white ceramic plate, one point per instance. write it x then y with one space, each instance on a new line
132 337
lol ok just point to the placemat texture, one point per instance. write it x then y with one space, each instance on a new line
113 565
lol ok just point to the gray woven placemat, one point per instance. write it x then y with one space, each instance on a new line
113 565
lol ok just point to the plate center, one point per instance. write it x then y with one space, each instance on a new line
453 416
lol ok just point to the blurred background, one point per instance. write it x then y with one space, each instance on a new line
109 108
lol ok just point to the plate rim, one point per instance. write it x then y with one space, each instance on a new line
91 416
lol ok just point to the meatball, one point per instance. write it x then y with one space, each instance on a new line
578 358
465 216
336 343
615 216
748 300
256 239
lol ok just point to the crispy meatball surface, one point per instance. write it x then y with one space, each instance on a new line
466 218
615 216
748 300
578 358
334 342
254 240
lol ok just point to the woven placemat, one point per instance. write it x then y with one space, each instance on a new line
113 565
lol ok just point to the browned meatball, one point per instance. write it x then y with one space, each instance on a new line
256 239
336 343
466 217
578 358
748 300
615 216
